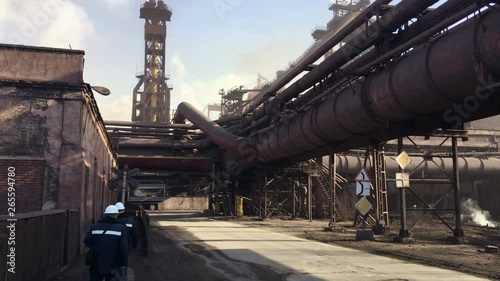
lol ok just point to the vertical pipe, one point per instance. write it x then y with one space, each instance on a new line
293 198
309 196
124 185
376 173
403 231
301 199
332 184
456 188
334 164
260 196
154 92
265 196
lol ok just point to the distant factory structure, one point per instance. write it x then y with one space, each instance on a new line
151 95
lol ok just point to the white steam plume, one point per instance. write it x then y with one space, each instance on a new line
471 209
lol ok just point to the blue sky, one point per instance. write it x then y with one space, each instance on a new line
211 44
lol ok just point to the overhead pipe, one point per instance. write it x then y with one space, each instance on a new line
392 20
433 30
166 143
215 132
349 28
436 20
427 81
431 23
470 167
148 125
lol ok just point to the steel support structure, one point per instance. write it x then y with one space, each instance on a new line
404 233
433 208
332 171
152 103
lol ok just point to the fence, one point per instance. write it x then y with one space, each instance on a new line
45 242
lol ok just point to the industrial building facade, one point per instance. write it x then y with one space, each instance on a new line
52 134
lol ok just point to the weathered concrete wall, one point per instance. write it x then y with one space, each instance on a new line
41 64
54 119
31 124
97 163
184 203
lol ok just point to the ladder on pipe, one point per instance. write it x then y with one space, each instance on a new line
380 194
227 202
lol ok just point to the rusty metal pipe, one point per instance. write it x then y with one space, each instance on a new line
420 167
426 26
170 144
148 125
219 135
427 81
393 19
324 48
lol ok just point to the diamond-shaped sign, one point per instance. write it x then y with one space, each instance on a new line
403 159
363 206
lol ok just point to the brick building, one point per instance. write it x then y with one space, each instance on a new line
52 133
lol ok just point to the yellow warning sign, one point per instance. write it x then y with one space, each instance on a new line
403 159
363 206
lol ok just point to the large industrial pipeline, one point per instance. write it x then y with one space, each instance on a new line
219 135
430 24
388 23
427 81
469 167
331 42
419 87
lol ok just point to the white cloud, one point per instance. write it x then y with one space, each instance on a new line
270 57
50 23
118 108
113 5
201 93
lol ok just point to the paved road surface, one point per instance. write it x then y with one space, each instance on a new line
184 247
242 253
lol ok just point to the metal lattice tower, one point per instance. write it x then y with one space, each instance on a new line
151 102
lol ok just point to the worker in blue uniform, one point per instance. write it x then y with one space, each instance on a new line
132 234
108 240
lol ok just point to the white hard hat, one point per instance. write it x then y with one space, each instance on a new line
120 206
111 210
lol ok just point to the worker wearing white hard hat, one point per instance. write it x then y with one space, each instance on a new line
119 206
132 234
108 243
111 211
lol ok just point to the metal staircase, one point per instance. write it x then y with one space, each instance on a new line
322 180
